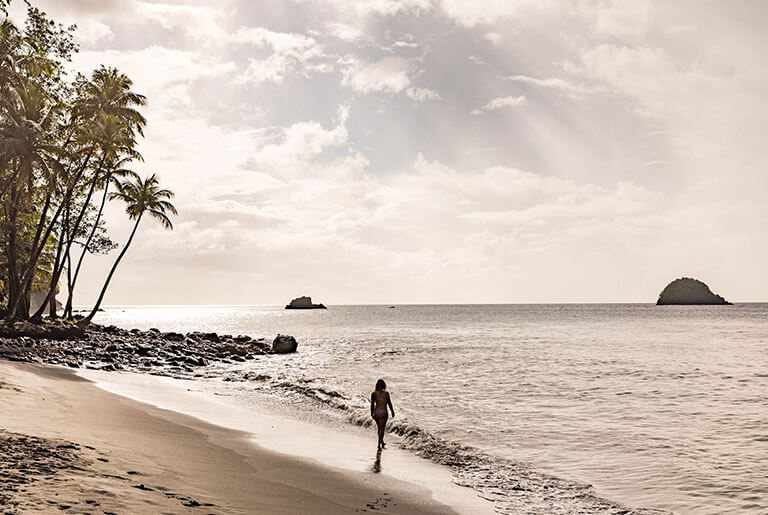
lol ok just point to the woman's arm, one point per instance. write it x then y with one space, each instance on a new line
373 403
389 403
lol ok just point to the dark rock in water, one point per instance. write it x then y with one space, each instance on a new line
687 291
284 344
304 303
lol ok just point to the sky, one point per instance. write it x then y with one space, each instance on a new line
439 151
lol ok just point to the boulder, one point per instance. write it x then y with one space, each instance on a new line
688 291
24 328
303 303
40 331
284 344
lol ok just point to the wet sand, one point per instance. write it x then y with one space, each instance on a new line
68 445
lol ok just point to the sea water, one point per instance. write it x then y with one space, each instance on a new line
655 407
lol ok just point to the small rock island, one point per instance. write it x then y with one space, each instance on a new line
688 291
304 303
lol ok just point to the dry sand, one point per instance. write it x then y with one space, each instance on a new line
67 445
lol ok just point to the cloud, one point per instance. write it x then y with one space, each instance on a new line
201 23
93 31
346 32
494 37
422 94
635 71
627 18
384 7
486 11
286 150
390 74
500 103
554 83
310 196
288 53
149 69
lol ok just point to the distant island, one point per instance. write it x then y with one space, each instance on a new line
688 291
304 303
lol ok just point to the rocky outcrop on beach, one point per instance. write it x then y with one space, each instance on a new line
303 303
284 344
688 291
113 348
54 331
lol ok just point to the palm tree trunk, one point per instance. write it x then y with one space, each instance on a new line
14 286
70 290
87 243
87 320
52 303
29 275
57 270
51 297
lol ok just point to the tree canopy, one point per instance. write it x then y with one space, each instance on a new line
65 141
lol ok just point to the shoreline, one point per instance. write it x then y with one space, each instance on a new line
486 482
131 456
283 430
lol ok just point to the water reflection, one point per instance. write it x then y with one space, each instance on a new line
377 464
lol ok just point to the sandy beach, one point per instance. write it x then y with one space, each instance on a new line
71 446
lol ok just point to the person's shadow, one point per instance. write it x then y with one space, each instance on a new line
377 464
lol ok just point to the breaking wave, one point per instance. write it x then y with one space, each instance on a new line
513 487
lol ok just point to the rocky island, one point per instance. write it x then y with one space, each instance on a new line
304 303
688 291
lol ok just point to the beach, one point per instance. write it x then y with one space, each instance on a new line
73 446
539 409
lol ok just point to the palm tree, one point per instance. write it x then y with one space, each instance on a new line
109 92
140 197
29 115
105 119
113 173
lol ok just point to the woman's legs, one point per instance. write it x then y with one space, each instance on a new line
381 423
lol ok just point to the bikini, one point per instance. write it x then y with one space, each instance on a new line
380 411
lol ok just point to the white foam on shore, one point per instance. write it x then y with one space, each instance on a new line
349 448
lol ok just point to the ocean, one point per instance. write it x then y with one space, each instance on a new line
656 407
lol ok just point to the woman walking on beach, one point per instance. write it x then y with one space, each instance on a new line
379 402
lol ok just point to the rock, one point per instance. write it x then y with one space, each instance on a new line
687 291
211 337
195 362
24 328
304 303
174 337
284 344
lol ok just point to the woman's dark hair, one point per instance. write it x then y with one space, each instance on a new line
381 385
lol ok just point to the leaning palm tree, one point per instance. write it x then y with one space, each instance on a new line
140 197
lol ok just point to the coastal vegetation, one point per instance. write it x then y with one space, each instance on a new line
67 143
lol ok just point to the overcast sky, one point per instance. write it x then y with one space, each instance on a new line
430 151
